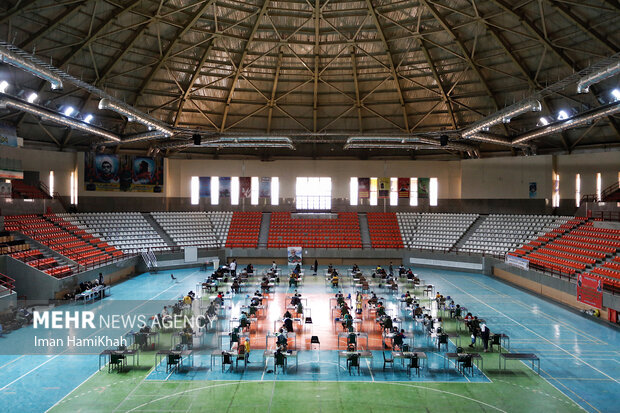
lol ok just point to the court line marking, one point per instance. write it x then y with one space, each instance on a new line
274 382
133 309
544 315
532 331
12 361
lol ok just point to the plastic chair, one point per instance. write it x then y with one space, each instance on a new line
226 359
352 339
172 363
442 339
465 362
387 360
279 360
414 363
315 340
353 361
117 361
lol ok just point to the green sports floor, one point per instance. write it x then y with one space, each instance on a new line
580 366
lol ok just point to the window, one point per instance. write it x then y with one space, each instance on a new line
254 194
275 190
234 190
353 192
577 190
194 190
373 191
393 191
413 192
599 185
74 188
433 191
51 185
555 198
313 193
215 190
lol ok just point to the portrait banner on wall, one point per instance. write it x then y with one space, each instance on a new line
108 172
5 189
533 189
403 187
590 290
8 135
293 256
423 185
148 174
205 186
363 187
224 187
384 188
245 186
101 172
264 187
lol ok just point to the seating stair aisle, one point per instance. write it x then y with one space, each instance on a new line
438 232
126 231
498 234
574 248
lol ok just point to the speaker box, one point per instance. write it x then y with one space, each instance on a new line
443 140
197 139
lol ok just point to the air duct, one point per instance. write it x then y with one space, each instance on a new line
43 113
394 142
20 62
236 142
502 116
583 86
134 116
576 121
144 136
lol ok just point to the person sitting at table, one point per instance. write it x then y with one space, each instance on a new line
234 336
274 267
397 341
255 301
387 323
253 310
334 280
417 311
408 300
373 298
243 321
457 312
380 309
281 340
288 324
287 314
330 268
249 269
264 285
300 308
355 268
468 319
339 298
295 299
297 269
186 337
347 323
292 280
235 287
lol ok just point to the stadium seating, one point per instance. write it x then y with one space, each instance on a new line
384 230
244 230
433 231
341 232
127 231
195 228
498 234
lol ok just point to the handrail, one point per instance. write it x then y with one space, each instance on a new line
604 193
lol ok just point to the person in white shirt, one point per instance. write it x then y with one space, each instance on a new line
233 268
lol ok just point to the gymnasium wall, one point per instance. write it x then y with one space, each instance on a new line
493 185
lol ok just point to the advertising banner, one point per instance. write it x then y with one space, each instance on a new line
384 188
517 262
423 187
8 135
245 186
590 291
264 187
205 186
5 189
224 187
363 187
533 189
403 187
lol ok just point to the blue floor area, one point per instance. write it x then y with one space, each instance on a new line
318 366
578 356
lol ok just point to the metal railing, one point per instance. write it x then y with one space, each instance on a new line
8 283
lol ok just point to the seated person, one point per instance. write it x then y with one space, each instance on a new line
253 310
380 309
287 314
401 270
281 340
292 281
235 286
300 308
295 300
398 340
255 301
355 268
243 320
330 269
417 311
249 269
348 322
373 299
234 336
297 269
288 324
387 323
335 281
264 285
